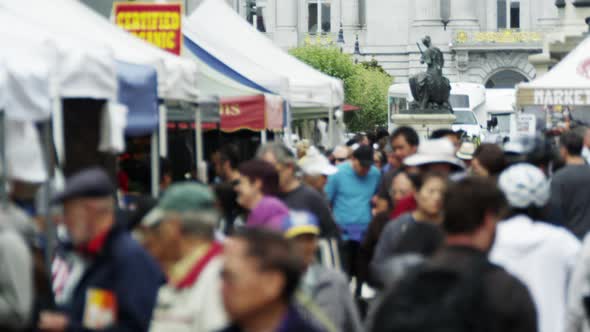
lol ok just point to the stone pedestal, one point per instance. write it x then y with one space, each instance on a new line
424 124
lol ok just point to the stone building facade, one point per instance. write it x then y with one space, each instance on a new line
497 43
484 41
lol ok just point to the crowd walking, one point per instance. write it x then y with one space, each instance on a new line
437 234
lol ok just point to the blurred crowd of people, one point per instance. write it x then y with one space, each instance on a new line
393 233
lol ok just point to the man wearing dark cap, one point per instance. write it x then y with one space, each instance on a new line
349 192
117 282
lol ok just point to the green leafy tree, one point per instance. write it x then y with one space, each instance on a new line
365 84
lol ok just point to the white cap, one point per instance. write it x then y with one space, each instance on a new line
315 163
525 185
435 151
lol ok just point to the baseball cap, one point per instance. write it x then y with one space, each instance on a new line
364 154
88 183
299 223
186 198
525 185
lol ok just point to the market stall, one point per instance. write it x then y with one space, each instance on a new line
238 45
244 103
175 79
561 95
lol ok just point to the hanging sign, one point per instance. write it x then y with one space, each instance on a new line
157 23
522 124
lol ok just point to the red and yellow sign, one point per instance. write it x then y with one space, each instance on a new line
158 24
237 113
243 113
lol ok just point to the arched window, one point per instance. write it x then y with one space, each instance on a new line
505 79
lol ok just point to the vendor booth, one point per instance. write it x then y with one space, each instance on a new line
562 95
308 92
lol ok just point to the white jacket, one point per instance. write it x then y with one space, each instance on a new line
577 319
542 256
198 308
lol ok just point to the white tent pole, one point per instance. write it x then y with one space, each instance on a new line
263 138
163 130
58 130
50 227
199 143
155 161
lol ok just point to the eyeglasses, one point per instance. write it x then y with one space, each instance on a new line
340 160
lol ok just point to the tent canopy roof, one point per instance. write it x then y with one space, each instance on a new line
40 65
573 71
307 87
176 76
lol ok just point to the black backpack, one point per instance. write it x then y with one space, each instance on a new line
436 299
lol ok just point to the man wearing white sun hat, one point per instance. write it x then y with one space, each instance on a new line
436 155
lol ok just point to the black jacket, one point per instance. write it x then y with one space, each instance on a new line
508 301
123 270
456 290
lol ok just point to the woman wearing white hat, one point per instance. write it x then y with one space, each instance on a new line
316 169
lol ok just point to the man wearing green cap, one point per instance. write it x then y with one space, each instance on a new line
184 222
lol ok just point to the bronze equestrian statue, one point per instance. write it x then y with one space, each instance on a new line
430 89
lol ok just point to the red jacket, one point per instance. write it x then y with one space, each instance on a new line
405 205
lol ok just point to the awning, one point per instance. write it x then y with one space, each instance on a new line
237 113
242 113
233 89
72 19
350 108
40 65
238 44
566 84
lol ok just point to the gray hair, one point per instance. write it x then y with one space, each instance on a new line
280 151
200 223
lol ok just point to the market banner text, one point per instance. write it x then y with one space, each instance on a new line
158 24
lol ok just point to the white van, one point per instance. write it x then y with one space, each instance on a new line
467 99
499 104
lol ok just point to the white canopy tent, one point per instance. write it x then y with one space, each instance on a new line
38 68
238 44
213 83
260 75
566 84
176 76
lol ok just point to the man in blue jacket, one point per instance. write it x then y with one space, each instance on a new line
115 283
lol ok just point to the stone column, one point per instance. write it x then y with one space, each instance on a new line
426 12
548 15
464 13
